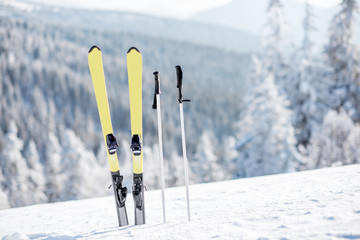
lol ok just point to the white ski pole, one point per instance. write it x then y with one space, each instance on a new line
186 168
157 105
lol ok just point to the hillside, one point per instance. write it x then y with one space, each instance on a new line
319 204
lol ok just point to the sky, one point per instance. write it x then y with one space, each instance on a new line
323 3
163 8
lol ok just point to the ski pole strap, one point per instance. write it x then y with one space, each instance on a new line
179 76
157 88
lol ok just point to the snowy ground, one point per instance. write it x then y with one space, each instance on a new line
320 204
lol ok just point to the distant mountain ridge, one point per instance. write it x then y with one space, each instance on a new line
190 31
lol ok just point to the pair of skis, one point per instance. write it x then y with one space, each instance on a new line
157 105
134 65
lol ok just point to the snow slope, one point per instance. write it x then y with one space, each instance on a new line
319 204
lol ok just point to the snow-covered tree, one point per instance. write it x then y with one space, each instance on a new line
151 163
174 169
300 83
84 177
14 169
341 50
228 153
4 201
54 184
308 26
266 141
206 165
343 57
305 86
351 146
274 42
337 142
36 172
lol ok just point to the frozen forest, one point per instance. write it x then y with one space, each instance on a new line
285 108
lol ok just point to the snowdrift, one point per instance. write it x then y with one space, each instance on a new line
318 204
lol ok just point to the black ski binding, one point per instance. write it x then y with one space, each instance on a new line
120 191
137 192
136 145
111 143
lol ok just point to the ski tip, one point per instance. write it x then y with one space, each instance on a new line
133 48
93 47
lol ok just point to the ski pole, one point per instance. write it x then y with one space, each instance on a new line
157 105
179 76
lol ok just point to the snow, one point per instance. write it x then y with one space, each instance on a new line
318 204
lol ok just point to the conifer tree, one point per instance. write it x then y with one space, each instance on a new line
266 141
343 57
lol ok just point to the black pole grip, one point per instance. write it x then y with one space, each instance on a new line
179 76
157 82
157 88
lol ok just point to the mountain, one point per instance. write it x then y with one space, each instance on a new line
250 16
190 31
319 204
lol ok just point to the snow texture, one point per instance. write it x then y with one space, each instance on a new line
318 204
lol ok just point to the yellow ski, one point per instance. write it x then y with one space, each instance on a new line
134 66
98 79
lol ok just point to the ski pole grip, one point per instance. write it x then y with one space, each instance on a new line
157 82
179 76
179 81
157 88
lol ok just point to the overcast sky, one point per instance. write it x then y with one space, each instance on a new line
165 8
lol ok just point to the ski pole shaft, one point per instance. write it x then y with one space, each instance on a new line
157 105
179 76
186 171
